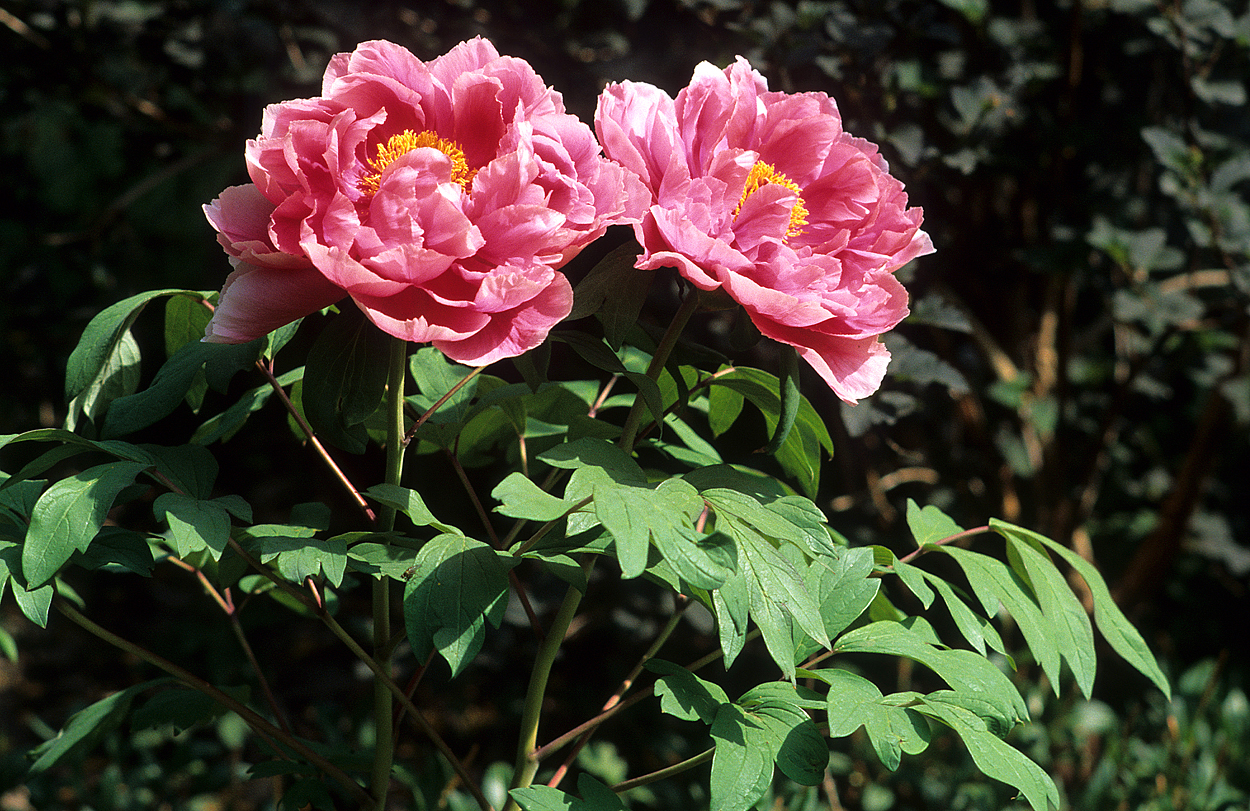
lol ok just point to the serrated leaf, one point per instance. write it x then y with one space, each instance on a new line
69 514
929 525
87 726
684 695
994 757
1114 626
457 585
519 497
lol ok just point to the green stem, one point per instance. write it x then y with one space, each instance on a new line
669 340
676 768
526 763
263 728
383 717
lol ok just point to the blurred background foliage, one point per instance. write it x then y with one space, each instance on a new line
1076 361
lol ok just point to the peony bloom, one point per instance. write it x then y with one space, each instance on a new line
443 197
763 196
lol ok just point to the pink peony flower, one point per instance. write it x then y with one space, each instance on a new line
762 195
443 197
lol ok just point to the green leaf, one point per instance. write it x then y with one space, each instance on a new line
172 382
227 423
853 701
118 549
181 708
595 797
975 628
86 727
457 585
435 375
963 670
95 358
193 524
914 579
801 752
117 377
929 525
790 398
588 452
300 556
993 756
408 502
776 592
636 517
1068 622
345 379
69 514
992 581
723 408
190 468
742 767
685 695
34 605
845 588
800 453
378 560
521 498
1114 626
185 320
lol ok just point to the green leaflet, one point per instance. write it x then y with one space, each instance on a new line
69 514
85 728
636 517
457 586
521 498
174 380
993 756
800 452
766 584
345 379
853 701
685 695
975 628
929 525
992 581
102 353
963 670
756 733
1120 634
408 502
595 797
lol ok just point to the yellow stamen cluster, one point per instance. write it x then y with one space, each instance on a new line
405 142
762 173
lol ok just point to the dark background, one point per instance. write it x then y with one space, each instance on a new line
1076 362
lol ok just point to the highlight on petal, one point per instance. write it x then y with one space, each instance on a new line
763 195
442 196
256 300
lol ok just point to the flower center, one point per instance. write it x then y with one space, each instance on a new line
405 142
763 173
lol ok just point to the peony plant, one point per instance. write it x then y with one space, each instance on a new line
415 219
